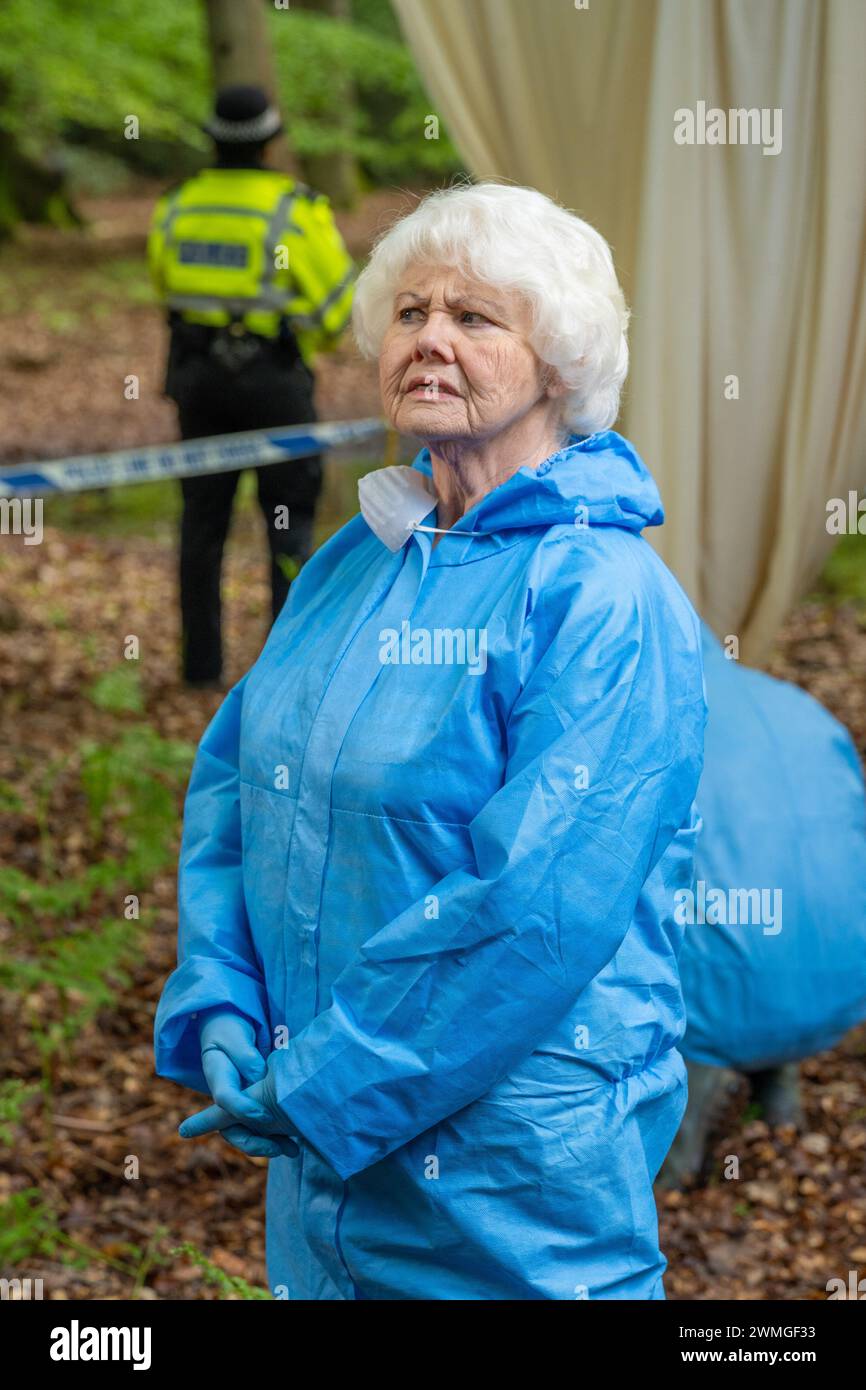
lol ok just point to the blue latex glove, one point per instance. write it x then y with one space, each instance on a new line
229 1059
250 1119
229 1052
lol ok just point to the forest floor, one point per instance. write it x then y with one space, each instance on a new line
99 1192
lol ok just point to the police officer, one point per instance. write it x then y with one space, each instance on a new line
256 280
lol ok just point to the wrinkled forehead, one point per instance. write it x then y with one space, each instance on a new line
422 281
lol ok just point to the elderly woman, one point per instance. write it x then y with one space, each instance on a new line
432 838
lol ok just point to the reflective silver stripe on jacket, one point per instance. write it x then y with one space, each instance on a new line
332 297
278 225
208 303
176 209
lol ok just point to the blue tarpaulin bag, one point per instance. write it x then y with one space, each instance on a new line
781 866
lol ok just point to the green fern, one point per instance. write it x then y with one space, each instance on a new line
229 1284
85 971
14 1095
134 782
118 691
28 1228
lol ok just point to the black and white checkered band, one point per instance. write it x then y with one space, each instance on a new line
261 127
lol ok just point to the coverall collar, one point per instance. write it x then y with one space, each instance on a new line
594 480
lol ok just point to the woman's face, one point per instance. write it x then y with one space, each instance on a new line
456 361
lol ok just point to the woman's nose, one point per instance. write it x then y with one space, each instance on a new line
435 339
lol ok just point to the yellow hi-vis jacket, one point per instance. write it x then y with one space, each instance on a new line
256 246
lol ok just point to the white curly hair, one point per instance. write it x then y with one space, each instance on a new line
517 239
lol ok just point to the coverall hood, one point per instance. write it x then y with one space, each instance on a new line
602 474
595 480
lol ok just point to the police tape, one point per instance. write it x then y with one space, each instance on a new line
217 454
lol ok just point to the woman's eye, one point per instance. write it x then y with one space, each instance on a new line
473 314
403 312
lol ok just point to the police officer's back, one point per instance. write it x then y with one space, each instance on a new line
256 280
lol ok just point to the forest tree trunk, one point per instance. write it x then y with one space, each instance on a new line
241 53
31 190
335 174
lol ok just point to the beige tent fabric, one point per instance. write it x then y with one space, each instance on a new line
735 262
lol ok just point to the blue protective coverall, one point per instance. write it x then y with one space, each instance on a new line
451 882
784 814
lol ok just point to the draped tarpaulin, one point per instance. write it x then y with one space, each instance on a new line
735 262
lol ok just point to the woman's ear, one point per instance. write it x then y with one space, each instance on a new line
552 383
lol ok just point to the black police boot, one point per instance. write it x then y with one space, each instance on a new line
777 1091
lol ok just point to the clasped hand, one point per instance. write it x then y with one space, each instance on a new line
247 1115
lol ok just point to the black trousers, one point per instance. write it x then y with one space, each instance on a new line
274 389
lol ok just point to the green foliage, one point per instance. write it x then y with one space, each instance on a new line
136 762
118 691
10 800
68 62
64 981
84 972
57 616
70 70
23 897
378 16
28 1228
137 778
142 509
384 127
231 1285
289 566
134 781
844 575
14 1096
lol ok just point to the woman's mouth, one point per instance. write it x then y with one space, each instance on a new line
431 390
